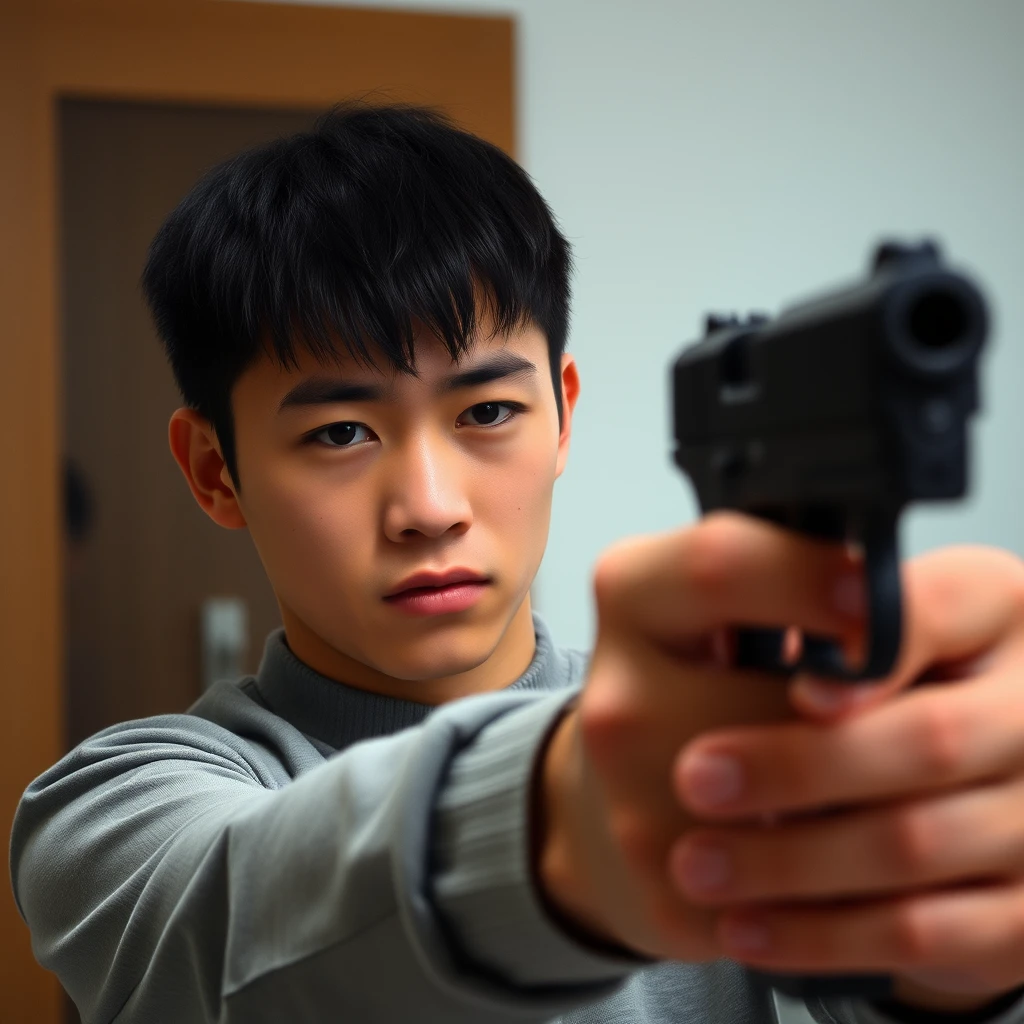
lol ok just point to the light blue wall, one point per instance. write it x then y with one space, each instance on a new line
738 154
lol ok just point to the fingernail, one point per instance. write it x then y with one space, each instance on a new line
849 595
712 779
703 868
746 936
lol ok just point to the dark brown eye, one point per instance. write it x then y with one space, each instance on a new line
486 413
342 435
490 414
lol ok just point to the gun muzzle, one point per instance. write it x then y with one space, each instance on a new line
937 324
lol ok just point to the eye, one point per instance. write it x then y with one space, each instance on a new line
491 414
343 435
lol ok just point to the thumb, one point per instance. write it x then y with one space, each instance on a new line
827 700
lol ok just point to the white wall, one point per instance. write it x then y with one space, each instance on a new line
739 154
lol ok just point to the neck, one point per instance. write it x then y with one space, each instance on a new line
501 666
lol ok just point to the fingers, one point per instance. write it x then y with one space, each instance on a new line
956 838
931 738
729 568
959 603
970 938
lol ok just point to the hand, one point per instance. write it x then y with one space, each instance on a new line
907 805
608 817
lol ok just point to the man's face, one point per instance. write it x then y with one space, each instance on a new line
354 481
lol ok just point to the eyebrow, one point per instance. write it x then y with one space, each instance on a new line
331 390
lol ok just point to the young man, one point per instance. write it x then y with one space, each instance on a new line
420 809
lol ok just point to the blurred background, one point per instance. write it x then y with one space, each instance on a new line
739 155
727 156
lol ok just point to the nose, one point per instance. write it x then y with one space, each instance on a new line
426 496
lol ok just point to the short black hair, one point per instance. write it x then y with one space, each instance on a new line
378 218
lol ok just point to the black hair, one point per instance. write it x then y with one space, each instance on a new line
351 233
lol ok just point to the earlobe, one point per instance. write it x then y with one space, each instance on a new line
195 448
570 393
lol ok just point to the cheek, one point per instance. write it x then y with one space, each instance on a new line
309 537
517 498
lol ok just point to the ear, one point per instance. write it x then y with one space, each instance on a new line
570 392
197 452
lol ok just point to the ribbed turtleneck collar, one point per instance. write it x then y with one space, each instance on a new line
339 714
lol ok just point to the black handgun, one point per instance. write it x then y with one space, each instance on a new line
828 420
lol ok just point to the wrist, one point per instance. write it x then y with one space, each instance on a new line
561 874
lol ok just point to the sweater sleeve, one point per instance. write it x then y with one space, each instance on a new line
484 883
166 877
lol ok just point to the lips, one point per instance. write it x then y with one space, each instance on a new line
436 580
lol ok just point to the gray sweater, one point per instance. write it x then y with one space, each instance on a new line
296 850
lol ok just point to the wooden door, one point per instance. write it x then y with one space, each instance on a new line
138 577
178 52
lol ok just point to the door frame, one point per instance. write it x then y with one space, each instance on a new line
236 53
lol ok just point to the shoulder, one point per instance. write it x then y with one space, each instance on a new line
228 732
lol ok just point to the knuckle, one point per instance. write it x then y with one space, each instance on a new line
637 843
713 552
913 938
910 844
941 598
936 583
612 573
787 772
607 576
941 741
605 726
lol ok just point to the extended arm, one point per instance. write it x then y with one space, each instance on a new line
169 872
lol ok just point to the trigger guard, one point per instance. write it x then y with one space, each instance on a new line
824 657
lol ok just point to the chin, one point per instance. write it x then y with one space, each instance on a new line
448 652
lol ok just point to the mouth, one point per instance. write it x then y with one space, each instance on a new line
426 582
432 593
